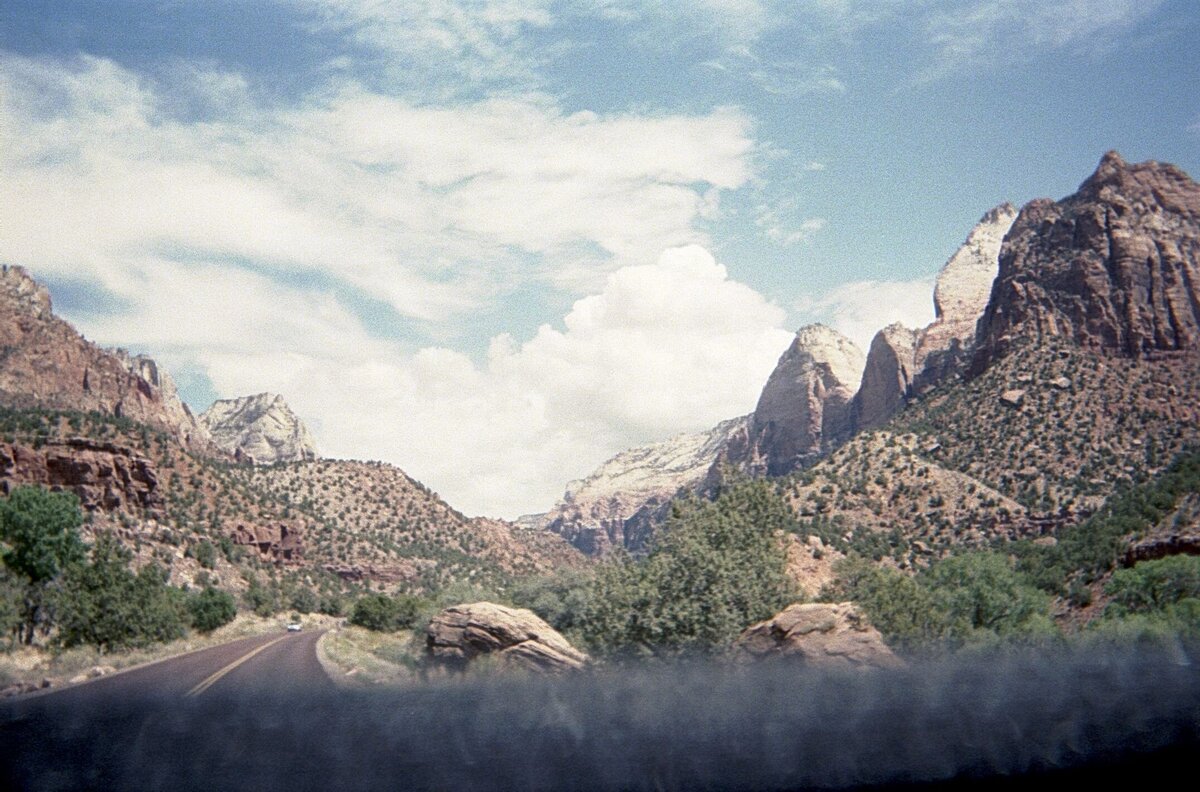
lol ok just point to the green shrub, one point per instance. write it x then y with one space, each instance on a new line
105 604
383 613
39 538
903 610
981 593
304 600
716 568
1154 585
211 608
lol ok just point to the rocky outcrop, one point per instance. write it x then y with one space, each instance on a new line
1116 266
626 498
819 634
1176 534
887 377
960 297
804 409
105 476
904 363
45 363
278 541
459 634
259 429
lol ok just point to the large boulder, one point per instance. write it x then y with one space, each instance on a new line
820 634
461 633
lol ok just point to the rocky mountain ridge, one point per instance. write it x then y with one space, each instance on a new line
619 504
1085 379
1020 419
110 427
45 363
259 429
1116 266
804 409
904 363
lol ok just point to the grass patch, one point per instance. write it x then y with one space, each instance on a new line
357 657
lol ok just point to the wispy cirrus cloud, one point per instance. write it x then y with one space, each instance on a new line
989 33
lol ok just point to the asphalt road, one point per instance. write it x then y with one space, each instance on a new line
97 735
265 662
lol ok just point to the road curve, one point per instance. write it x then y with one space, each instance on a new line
274 661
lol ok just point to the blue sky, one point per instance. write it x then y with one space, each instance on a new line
495 242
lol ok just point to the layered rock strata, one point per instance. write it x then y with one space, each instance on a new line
462 633
621 503
805 407
45 363
105 476
825 635
904 363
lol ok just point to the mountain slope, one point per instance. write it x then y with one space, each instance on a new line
45 363
1087 379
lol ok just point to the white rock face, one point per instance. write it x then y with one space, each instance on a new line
903 362
260 429
965 282
621 501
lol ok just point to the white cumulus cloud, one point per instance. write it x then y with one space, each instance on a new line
664 347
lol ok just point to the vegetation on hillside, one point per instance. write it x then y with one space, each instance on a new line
986 597
715 568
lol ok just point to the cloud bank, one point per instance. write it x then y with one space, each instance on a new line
242 247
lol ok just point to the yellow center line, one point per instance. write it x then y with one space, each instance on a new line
213 678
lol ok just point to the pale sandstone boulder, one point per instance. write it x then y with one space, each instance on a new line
461 633
828 635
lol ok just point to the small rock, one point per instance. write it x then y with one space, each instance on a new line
1025 377
1013 398
1062 383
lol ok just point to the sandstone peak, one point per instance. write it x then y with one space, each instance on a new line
1115 266
804 409
903 362
823 344
261 429
965 281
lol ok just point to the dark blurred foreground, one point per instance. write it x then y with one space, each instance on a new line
1025 721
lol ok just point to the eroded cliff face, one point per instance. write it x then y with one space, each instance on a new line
804 409
904 363
106 476
259 429
46 363
625 499
1116 266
